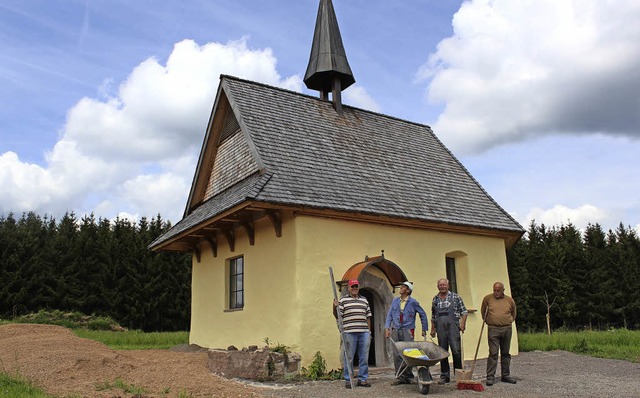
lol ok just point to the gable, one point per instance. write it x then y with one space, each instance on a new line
233 163
226 157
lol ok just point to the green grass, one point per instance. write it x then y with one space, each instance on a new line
135 339
71 320
121 385
18 387
613 344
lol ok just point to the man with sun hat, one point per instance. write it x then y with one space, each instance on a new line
400 326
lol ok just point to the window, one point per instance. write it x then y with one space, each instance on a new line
236 283
451 274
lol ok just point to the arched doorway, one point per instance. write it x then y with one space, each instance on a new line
378 277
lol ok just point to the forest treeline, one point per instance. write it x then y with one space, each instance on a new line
98 267
583 279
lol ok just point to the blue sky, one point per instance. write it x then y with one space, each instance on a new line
104 104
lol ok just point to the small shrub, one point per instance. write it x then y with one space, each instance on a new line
281 348
582 346
317 370
100 324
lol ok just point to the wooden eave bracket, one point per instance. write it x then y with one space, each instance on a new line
248 226
231 238
213 244
196 252
276 220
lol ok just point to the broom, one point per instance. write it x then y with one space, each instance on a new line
472 384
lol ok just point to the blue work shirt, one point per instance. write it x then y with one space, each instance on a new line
408 315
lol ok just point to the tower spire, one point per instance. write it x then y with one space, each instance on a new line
328 69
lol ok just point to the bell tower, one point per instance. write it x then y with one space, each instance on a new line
328 69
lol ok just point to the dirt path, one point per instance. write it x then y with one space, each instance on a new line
63 364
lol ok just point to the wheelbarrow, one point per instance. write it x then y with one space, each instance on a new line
420 354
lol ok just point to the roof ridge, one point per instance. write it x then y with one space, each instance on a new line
230 77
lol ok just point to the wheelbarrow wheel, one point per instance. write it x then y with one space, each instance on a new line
424 376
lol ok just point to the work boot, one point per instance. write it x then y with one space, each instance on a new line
508 379
399 381
444 380
490 381
347 385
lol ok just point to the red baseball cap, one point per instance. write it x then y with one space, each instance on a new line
353 282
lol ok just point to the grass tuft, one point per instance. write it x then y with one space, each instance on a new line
17 386
135 339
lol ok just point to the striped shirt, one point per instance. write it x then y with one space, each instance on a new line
354 312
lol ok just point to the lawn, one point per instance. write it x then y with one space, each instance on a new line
614 344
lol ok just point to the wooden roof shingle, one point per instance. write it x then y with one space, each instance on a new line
361 162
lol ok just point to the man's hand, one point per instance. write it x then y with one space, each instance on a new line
335 302
424 333
387 333
462 327
433 333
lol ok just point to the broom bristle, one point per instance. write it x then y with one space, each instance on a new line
470 385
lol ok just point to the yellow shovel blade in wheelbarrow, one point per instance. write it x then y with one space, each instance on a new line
415 353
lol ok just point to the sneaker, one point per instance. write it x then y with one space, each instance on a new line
509 380
364 383
490 382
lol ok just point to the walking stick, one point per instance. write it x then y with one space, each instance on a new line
347 360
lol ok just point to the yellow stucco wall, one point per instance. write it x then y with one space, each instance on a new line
269 311
288 292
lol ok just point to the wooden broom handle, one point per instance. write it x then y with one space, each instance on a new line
473 367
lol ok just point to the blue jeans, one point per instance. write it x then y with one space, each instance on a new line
401 335
358 342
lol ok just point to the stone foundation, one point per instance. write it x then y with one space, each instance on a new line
252 363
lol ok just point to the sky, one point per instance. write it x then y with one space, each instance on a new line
104 104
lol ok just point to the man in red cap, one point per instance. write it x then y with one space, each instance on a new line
356 320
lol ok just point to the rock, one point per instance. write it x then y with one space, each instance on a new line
254 365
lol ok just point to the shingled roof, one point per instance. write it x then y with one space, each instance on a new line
307 156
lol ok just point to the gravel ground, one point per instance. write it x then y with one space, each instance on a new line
63 364
539 374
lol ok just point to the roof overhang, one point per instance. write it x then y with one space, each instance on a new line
248 212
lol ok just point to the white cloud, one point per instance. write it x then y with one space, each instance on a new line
517 69
359 97
559 214
133 152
